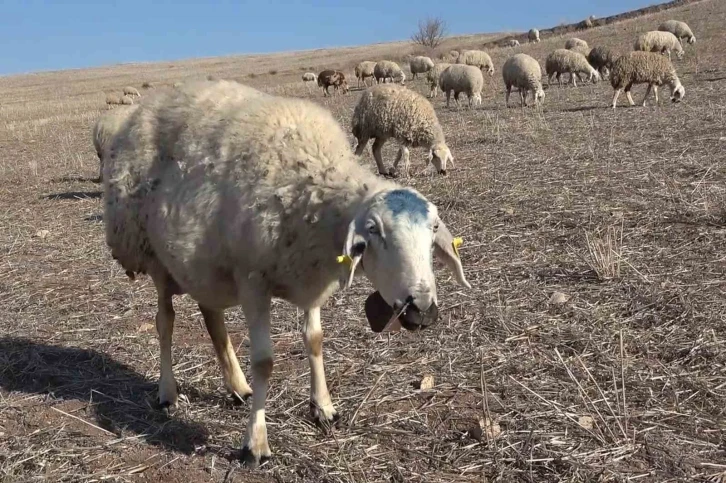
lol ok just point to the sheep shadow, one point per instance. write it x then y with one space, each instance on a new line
74 195
582 109
77 179
121 396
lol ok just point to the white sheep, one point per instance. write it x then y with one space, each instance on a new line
105 128
235 197
131 92
387 69
364 70
523 72
645 67
390 111
567 61
432 78
420 65
126 100
575 42
657 41
309 77
533 35
680 29
462 78
477 58
113 100
513 43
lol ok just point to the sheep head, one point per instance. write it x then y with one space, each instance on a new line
440 155
678 92
394 238
539 95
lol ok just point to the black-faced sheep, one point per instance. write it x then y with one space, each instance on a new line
389 111
237 197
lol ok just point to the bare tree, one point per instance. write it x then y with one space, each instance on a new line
430 32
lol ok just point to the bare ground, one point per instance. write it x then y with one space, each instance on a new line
591 346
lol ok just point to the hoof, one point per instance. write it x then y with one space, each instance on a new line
325 419
248 458
239 399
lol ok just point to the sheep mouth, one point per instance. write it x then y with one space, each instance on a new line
380 315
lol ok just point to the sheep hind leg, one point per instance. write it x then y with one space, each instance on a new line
256 307
168 389
630 97
362 143
615 97
647 93
321 406
234 378
506 98
403 153
377 146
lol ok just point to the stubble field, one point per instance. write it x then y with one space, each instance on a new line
590 348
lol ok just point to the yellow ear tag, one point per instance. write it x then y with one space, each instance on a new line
344 259
456 243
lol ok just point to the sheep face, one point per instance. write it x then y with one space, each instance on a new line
594 76
539 96
440 154
394 237
678 93
679 54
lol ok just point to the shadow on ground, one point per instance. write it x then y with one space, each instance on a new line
73 195
122 397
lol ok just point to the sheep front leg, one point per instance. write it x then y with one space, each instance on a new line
256 307
321 406
168 391
655 91
362 143
630 97
234 378
506 97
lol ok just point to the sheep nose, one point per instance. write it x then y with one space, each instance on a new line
412 317
442 172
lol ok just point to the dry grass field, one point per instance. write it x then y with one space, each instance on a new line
590 348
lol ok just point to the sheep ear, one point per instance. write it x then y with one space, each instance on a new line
355 245
446 248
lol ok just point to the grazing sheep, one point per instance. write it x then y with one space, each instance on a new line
575 42
390 111
513 43
386 69
309 77
477 58
333 78
523 72
364 70
680 29
131 92
432 78
127 101
105 128
235 198
562 60
533 35
587 23
420 65
645 67
657 41
113 100
602 59
462 78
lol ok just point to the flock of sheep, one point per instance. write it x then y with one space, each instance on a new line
235 196
461 72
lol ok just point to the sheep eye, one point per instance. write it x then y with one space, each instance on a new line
436 227
372 228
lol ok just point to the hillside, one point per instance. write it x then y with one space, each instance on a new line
593 335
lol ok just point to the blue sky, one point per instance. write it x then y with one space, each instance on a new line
44 35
